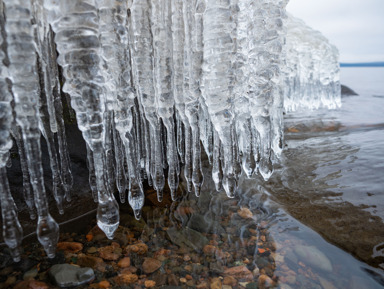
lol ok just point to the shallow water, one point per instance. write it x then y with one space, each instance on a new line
318 221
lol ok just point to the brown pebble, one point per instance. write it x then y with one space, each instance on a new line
229 280
245 213
265 282
91 261
183 280
71 247
150 265
110 253
239 272
188 277
124 263
215 283
125 279
104 284
138 248
202 285
31 284
149 283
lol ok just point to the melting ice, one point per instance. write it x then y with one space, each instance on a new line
151 83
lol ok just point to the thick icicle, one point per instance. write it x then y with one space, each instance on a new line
142 59
218 79
80 58
12 231
24 77
162 43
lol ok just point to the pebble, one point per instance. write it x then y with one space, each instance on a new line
91 261
226 287
216 284
149 283
104 284
245 213
66 275
31 284
239 272
126 279
110 253
265 282
92 250
31 274
71 247
229 280
138 248
150 265
124 263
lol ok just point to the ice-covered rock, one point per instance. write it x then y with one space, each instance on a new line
151 82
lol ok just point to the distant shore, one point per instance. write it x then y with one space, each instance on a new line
362 64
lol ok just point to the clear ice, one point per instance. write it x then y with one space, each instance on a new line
152 84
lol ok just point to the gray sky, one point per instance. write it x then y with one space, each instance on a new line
356 27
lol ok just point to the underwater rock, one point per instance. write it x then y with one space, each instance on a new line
314 257
66 275
187 238
204 224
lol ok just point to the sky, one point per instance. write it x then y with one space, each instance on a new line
356 27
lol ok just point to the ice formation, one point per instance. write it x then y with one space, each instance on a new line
311 72
151 83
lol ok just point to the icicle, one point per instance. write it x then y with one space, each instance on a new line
217 173
45 127
91 172
162 43
188 166
121 179
25 89
12 231
27 188
81 63
218 79
142 70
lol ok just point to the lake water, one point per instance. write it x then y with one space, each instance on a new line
317 223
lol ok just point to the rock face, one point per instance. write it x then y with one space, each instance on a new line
346 91
66 275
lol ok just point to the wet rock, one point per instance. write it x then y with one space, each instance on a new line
126 279
31 274
187 238
216 267
226 287
314 257
229 280
66 275
325 283
124 263
31 284
111 253
265 282
204 224
252 285
245 213
150 265
71 247
10 281
138 248
215 284
104 284
92 250
91 261
159 278
173 280
149 283
239 272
